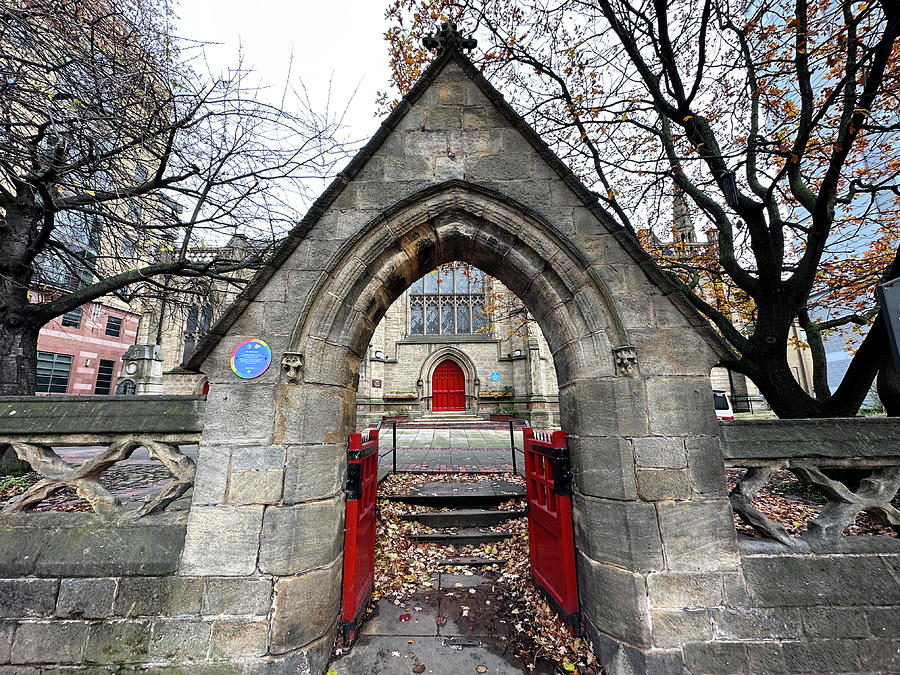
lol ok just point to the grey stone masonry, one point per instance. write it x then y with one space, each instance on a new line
83 545
169 622
100 415
838 439
455 174
810 604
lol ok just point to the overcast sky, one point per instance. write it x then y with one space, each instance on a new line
338 39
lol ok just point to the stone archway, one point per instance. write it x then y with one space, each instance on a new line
426 370
453 221
632 362
457 221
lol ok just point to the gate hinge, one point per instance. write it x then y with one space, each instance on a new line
562 475
354 480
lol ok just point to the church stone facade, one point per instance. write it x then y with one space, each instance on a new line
458 341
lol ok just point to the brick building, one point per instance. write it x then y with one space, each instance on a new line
81 351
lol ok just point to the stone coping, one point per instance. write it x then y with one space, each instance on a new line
862 545
51 544
837 438
101 415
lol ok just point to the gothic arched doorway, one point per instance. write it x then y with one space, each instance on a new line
448 387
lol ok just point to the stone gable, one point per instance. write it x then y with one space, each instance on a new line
453 126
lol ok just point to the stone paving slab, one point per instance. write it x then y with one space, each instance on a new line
455 460
446 438
422 620
483 448
463 580
452 629
381 655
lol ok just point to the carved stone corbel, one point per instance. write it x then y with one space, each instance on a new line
292 366
626 361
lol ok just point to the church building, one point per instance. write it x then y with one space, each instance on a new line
458 343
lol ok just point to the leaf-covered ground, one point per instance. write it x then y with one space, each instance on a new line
793 504
529 627
128 482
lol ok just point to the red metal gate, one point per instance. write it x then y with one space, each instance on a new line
359 529
548 485
448 387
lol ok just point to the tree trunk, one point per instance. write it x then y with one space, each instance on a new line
764 360
19 326
789 400
888 386
18 344
784 394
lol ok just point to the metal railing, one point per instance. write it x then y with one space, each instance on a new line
512 445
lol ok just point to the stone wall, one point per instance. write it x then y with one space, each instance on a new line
801 613
180 382
820 603
85 590
79 593
75 589
252 587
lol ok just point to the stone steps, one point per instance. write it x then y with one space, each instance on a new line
469 561
446 418
463 517
461 537
468 518
460 500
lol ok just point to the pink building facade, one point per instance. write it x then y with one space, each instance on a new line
81 351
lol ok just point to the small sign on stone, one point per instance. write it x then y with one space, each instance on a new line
251 358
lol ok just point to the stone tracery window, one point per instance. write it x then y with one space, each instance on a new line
449 300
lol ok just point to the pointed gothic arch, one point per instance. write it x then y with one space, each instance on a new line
463 360
457 220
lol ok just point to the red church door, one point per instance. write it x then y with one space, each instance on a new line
448 387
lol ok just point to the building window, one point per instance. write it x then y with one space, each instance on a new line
127 247
53 373
113 326
72 319
135 211
449 300
199 319
104 377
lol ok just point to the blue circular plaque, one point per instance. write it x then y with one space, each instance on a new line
495 376
251 358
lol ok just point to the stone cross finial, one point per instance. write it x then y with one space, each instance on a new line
448 37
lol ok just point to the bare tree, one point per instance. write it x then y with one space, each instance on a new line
117 159
777 119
